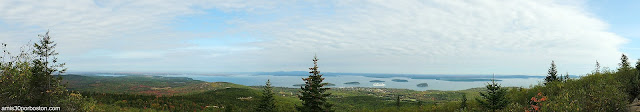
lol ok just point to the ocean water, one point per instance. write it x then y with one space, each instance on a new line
339 80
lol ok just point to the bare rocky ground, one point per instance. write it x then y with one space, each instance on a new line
634 106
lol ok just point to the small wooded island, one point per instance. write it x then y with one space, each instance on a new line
399 80
423 85
352 83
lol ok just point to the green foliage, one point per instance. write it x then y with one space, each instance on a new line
629 78
597 69
27 79
593 92
313 94
624 63
494 98
267 102
361 103
155 85
218 97
463 103
552 73
210 100
397 100
45 88
521 96
15 75
638 65
75 102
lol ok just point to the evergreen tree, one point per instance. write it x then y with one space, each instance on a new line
627 76
463 103
313 94
566 77
552 73
45 88
624 64
561 77
638 70
597 70
398 101
494 98
638 66
267 103
29 79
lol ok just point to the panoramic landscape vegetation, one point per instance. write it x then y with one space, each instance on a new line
320 56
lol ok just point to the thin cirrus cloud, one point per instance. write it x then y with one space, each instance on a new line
421 37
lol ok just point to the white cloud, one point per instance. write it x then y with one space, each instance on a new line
439 36
505 37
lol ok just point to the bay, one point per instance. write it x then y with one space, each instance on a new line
339 80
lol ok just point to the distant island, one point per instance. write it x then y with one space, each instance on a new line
376 81
299 85
352 83
468 79
399 80
423 85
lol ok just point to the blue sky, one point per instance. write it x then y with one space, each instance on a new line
623 20
368 36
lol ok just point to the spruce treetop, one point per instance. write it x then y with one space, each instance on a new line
313 96
624 63
552 74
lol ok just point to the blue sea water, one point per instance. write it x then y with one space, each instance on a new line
339 80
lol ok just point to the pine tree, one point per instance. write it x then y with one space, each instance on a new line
627 76
397 101
552 73
313 94
463 103
267 103
44 86
566 77
638 66
624 64
597 70
31 81
494 98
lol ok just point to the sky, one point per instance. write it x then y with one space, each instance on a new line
357 36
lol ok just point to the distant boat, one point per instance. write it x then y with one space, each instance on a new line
423 85
376 81
399 80
353 83
378 84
